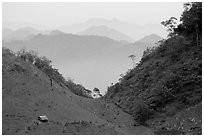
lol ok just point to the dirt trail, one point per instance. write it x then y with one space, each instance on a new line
28 94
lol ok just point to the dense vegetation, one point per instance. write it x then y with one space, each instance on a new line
45 66
169 77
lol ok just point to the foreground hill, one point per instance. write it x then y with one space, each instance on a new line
164 90
27 94
165 82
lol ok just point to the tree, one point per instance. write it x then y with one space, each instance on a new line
191 21
192 17
170 25
31 56
43 63
22 53
96 90
133 59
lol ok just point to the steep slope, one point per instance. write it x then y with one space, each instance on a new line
107 32
164 85
164 90
27 94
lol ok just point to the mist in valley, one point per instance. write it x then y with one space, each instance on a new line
91 46
105 68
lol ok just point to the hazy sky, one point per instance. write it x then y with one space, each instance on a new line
57 14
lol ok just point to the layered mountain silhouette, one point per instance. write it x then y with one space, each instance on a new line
150 39
107 32
130 29
17 25
86 57
158 92
19 34
56 32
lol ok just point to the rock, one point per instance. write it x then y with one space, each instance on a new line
43 118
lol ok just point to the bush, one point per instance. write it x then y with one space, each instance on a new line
143 113
78 89
44 64
147 53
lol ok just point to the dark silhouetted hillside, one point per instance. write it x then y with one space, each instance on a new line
164 90
166 81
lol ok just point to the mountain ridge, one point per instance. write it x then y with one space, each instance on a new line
150 39
94 52
131 29
106 31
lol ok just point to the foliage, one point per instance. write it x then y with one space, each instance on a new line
191 22
44 64
170 73
191 19
96 90
78 89
147 52
171 25
133 59
142 113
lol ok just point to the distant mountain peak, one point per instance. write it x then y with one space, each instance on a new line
150 39
56 32
102 30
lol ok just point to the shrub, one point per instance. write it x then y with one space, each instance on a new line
143 113
44 64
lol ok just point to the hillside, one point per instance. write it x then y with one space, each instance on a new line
84 58
164 90
102 76
107 32
165 82
27 94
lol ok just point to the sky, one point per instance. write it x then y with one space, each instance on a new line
60 14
